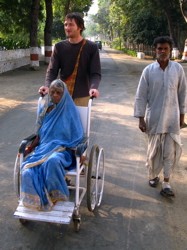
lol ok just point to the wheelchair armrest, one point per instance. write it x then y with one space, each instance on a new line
25 142
81 147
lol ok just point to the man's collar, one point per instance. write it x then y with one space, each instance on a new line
158 64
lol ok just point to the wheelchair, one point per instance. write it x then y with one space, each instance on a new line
89 180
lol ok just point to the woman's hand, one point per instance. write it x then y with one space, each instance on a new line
32 146
28 150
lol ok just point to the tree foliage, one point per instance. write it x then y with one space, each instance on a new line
127 20
141 21
145 27
16 18
92 28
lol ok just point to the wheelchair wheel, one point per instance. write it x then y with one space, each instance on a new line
18 161
100 176
92 178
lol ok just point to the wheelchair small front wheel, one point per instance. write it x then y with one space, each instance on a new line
76 225
76 222
23 221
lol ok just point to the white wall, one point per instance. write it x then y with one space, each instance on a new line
12 59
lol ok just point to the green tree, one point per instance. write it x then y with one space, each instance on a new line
10 21
168 8
14 26
145 27
117 20
58 30
92 28
103 18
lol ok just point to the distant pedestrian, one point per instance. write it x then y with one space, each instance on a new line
161 97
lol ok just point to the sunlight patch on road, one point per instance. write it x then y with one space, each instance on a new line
104 55
6 104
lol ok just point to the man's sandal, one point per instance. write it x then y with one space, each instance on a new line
166 190
154 182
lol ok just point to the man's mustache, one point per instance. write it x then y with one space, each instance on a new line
162 54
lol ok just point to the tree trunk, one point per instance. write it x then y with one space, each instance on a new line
171 27
48 30
34 56
183 5
167 6
67 7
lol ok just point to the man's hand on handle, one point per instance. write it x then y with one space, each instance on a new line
43 90
94 93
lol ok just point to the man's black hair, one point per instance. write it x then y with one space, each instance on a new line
163 39
78 19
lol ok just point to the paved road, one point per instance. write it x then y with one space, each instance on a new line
132 215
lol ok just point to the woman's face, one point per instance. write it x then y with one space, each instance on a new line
56 94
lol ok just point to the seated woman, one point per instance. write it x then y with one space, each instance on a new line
42 172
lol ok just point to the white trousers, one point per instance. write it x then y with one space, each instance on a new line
164 151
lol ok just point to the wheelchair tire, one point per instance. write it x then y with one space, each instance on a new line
17 176
100 176
92 178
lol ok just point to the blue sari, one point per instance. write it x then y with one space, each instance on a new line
42 173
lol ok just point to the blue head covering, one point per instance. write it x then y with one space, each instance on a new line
60 128
62 125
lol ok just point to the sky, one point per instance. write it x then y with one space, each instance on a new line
94 8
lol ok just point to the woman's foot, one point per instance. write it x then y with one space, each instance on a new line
154 182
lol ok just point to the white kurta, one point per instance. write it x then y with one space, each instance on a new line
161 96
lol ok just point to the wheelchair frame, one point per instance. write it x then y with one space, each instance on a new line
93 181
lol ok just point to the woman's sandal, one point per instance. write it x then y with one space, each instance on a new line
166 190
154 182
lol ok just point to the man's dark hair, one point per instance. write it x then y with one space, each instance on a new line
78 19
163 39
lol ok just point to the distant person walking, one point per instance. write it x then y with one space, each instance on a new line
161 97
76 61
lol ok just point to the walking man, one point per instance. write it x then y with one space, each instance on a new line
160 104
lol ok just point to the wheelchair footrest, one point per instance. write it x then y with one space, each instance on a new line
61 213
